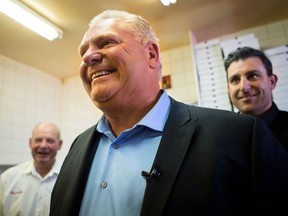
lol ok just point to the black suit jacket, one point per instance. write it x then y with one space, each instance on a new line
277 121
211 162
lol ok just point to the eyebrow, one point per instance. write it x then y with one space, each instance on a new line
94 39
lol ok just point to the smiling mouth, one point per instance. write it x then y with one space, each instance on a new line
42 153
246 97
101 73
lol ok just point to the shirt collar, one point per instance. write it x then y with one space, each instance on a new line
157 116
30 169
154 119
270 115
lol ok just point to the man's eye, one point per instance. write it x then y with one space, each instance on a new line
51 141
37 140
234 80
252 76
108 43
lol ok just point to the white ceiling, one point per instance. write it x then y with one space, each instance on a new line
207 19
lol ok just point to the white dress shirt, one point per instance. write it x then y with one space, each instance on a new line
24 192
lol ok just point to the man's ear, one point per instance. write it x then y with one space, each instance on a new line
153 54
273 80
60 144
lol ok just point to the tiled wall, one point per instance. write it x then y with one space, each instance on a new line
28 96
78 114
178 64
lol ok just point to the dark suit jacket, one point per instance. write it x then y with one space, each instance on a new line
212 162
277 121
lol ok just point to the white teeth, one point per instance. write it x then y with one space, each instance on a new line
100 73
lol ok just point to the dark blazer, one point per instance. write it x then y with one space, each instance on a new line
212 162
277 121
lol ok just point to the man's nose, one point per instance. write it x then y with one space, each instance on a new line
245 84
91 57
43 143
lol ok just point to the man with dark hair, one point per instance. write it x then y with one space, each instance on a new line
250 85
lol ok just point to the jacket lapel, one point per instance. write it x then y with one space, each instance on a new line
78 164
175 141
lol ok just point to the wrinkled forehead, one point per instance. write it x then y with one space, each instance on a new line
100 27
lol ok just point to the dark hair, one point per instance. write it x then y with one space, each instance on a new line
243 53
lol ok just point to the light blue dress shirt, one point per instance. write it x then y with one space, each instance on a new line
115 186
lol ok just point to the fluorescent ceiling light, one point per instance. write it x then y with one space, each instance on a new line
24 15
168 2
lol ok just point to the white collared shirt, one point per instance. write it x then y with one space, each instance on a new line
23 191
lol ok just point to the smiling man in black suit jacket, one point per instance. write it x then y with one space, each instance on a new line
151 155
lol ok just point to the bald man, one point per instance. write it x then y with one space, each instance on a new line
26 189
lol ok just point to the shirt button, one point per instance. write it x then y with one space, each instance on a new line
116 146
103 184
